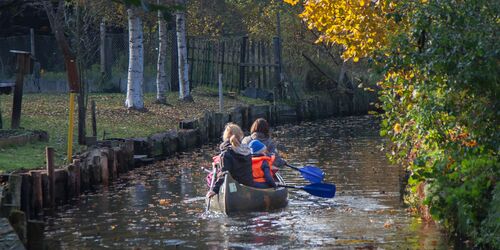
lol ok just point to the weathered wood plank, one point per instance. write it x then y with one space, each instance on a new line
8 237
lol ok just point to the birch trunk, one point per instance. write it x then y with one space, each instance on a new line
136 62
161 75
184 93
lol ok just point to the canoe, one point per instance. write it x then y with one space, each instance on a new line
234 198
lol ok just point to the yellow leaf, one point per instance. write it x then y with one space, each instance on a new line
397 128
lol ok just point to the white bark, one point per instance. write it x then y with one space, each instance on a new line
136 62
184 93
161 75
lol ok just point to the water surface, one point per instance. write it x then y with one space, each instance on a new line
162 205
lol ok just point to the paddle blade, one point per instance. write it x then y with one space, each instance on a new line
312 174
323 190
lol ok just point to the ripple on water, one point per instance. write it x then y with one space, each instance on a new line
163 205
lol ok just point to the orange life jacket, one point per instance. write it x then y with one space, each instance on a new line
258 174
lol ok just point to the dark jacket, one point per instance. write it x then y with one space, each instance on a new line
238 162
270 145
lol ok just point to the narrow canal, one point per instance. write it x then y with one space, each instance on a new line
162 206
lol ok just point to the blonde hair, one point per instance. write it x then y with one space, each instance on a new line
233 133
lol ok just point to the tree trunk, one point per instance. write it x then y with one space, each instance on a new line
136 62
161 76
174 59
184 93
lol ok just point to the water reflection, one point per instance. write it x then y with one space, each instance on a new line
162 206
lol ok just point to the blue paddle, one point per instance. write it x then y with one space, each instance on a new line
323 190
310 173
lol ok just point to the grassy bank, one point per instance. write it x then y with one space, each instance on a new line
49 112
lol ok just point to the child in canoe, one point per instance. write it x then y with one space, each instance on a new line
235 158
260 131
261 165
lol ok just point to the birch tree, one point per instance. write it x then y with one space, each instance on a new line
161 76
136 61
180 18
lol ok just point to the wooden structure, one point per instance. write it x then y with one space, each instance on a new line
242 62
24 64
234 198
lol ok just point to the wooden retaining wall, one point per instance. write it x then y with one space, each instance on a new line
30 195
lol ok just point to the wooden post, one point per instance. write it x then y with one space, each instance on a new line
26 193
15 184
71 124
37 198
45 190
78 178
221 52
251 60
102 50
265 68
277 62
23 67
104 170
243 49
35 236
18 220
74 87
32 41
115 168
206 63
50 173
73 179
261 66
94 122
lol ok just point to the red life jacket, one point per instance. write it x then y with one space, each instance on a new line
258 174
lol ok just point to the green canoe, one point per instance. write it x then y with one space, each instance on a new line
234 198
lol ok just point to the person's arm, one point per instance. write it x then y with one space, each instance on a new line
225 167
267 174
246 140
278 161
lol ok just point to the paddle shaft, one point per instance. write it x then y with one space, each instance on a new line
289 186
288 165
214 172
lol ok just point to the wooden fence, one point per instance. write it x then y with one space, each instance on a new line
242 62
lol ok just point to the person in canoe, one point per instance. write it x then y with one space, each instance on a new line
235 158
260 131
261 165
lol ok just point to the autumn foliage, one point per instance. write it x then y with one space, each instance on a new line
440 68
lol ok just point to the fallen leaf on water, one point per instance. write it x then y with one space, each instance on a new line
164 202
388 224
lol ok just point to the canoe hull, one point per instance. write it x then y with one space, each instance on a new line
236 198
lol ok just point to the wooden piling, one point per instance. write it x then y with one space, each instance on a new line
49 153
17 219
45 190
94 121
35 236
74 179
26 193
115 167
37 198
104 170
